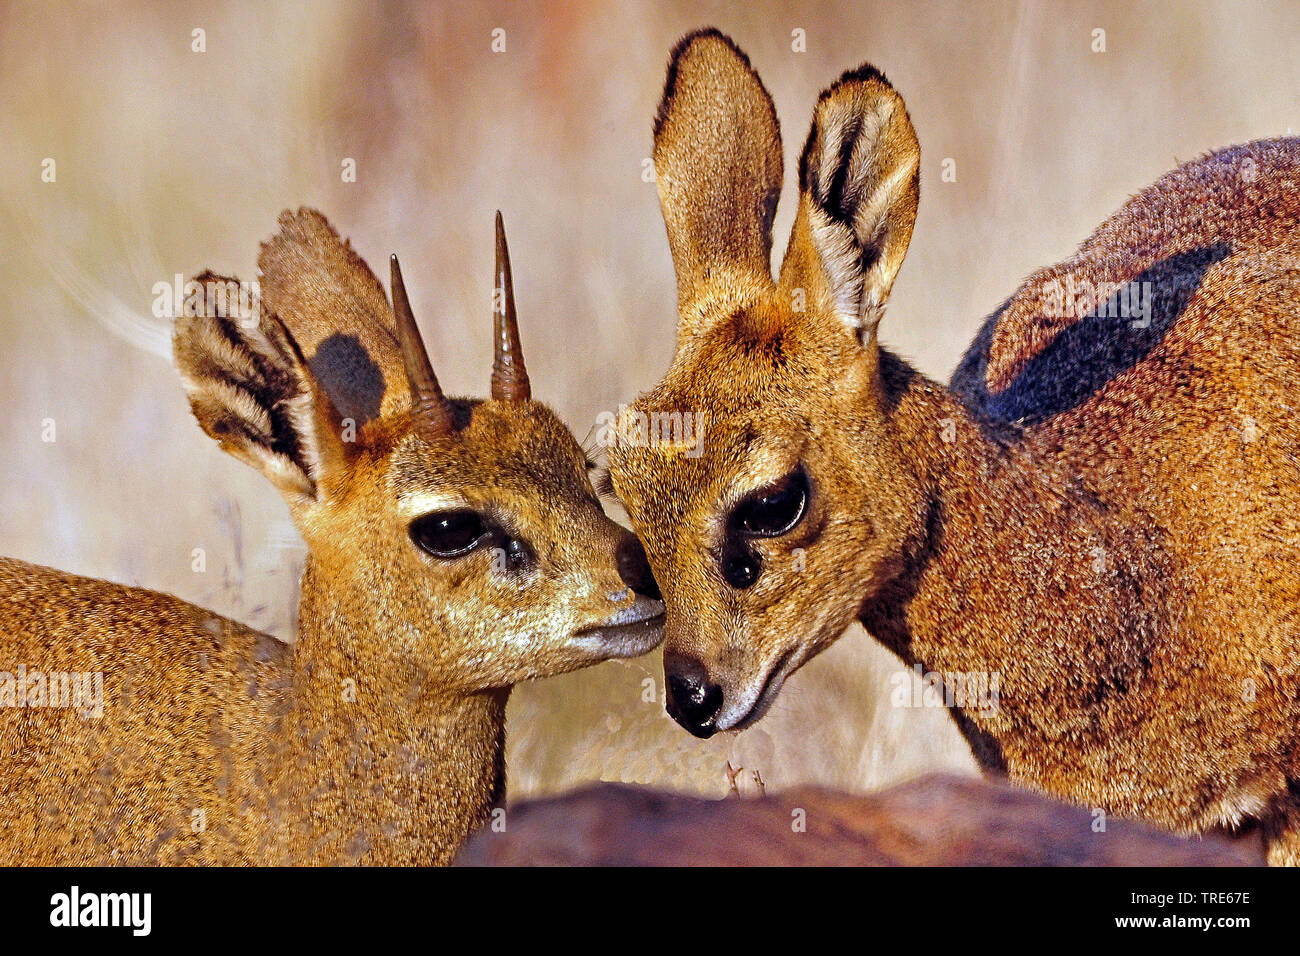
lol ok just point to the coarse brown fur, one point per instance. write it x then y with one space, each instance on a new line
1100 509
378 736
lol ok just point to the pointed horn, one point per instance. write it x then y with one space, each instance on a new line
429 408
509 377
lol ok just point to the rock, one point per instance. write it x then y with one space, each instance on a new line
936 820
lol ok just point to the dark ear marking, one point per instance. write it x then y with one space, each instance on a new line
859 174
864 73
319 287
250 390
833 198
350 375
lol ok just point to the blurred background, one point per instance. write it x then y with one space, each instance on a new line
178 132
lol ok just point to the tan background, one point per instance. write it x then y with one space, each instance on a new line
169 161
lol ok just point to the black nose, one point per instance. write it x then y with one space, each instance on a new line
634 569
693 701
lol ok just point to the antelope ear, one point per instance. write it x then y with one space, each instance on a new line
859 181
252 392
717 156
327 297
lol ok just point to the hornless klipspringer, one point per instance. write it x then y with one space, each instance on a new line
1100 509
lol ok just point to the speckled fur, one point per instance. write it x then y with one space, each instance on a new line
1104 514
378 736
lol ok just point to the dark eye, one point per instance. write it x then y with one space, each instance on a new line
448 534
774 510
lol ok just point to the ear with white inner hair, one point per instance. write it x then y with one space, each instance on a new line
859 181
252 392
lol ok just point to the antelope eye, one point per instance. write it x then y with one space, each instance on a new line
774 510
448 534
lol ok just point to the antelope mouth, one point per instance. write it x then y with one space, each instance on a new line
776 678
631 632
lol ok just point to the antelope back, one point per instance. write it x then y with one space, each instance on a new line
459 536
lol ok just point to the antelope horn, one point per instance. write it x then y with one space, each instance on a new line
509 377
429 407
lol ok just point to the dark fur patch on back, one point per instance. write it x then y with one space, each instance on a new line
1087 355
